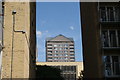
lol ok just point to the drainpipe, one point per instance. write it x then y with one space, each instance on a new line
1 47
13 32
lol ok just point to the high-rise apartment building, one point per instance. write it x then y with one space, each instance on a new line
60 49
101 39
19 36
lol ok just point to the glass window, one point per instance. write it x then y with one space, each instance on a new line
105 38
55 48
102 14
117 14
113 37
66 45
110 38
49 51
56 51
65 54
49 57
72 58
61 51
55 45
71 54
49 54
109 13
61 48
66 58
56 54
119 38
56 58
49 44
60 45
71 51
112 65
61 55
65 51
66 48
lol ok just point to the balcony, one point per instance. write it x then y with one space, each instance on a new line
71 49
49 46
112 69
50 52
111 39
71 46
109 15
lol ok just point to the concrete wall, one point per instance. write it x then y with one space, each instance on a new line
17 52
1 37
91 40
0 21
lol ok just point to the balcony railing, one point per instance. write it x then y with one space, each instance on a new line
109 15
112 69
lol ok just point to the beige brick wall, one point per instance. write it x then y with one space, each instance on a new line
20 57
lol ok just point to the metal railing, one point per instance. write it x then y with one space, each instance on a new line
112 69
109 15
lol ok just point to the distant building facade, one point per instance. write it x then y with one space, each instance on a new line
101 39
60 49
19 52
70 70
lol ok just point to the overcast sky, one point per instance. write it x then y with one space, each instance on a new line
54 18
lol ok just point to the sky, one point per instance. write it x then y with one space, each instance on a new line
54 18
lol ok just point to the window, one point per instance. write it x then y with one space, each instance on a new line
49 54
56 54
65 54
60 45
49 48
56 58
61 48
65 58
105 38
49 57
66 45
60 57
109 13
61 51
111 38
65 51
56 51
55 45
112 65
49 44
71 51
119 38
49 51
65 48
112 34
71 44
72 58
71 54
55 48
61 54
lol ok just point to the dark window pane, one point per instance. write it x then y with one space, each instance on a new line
105 38
102 14
117 13
116 65
119 38
110 13
113 41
